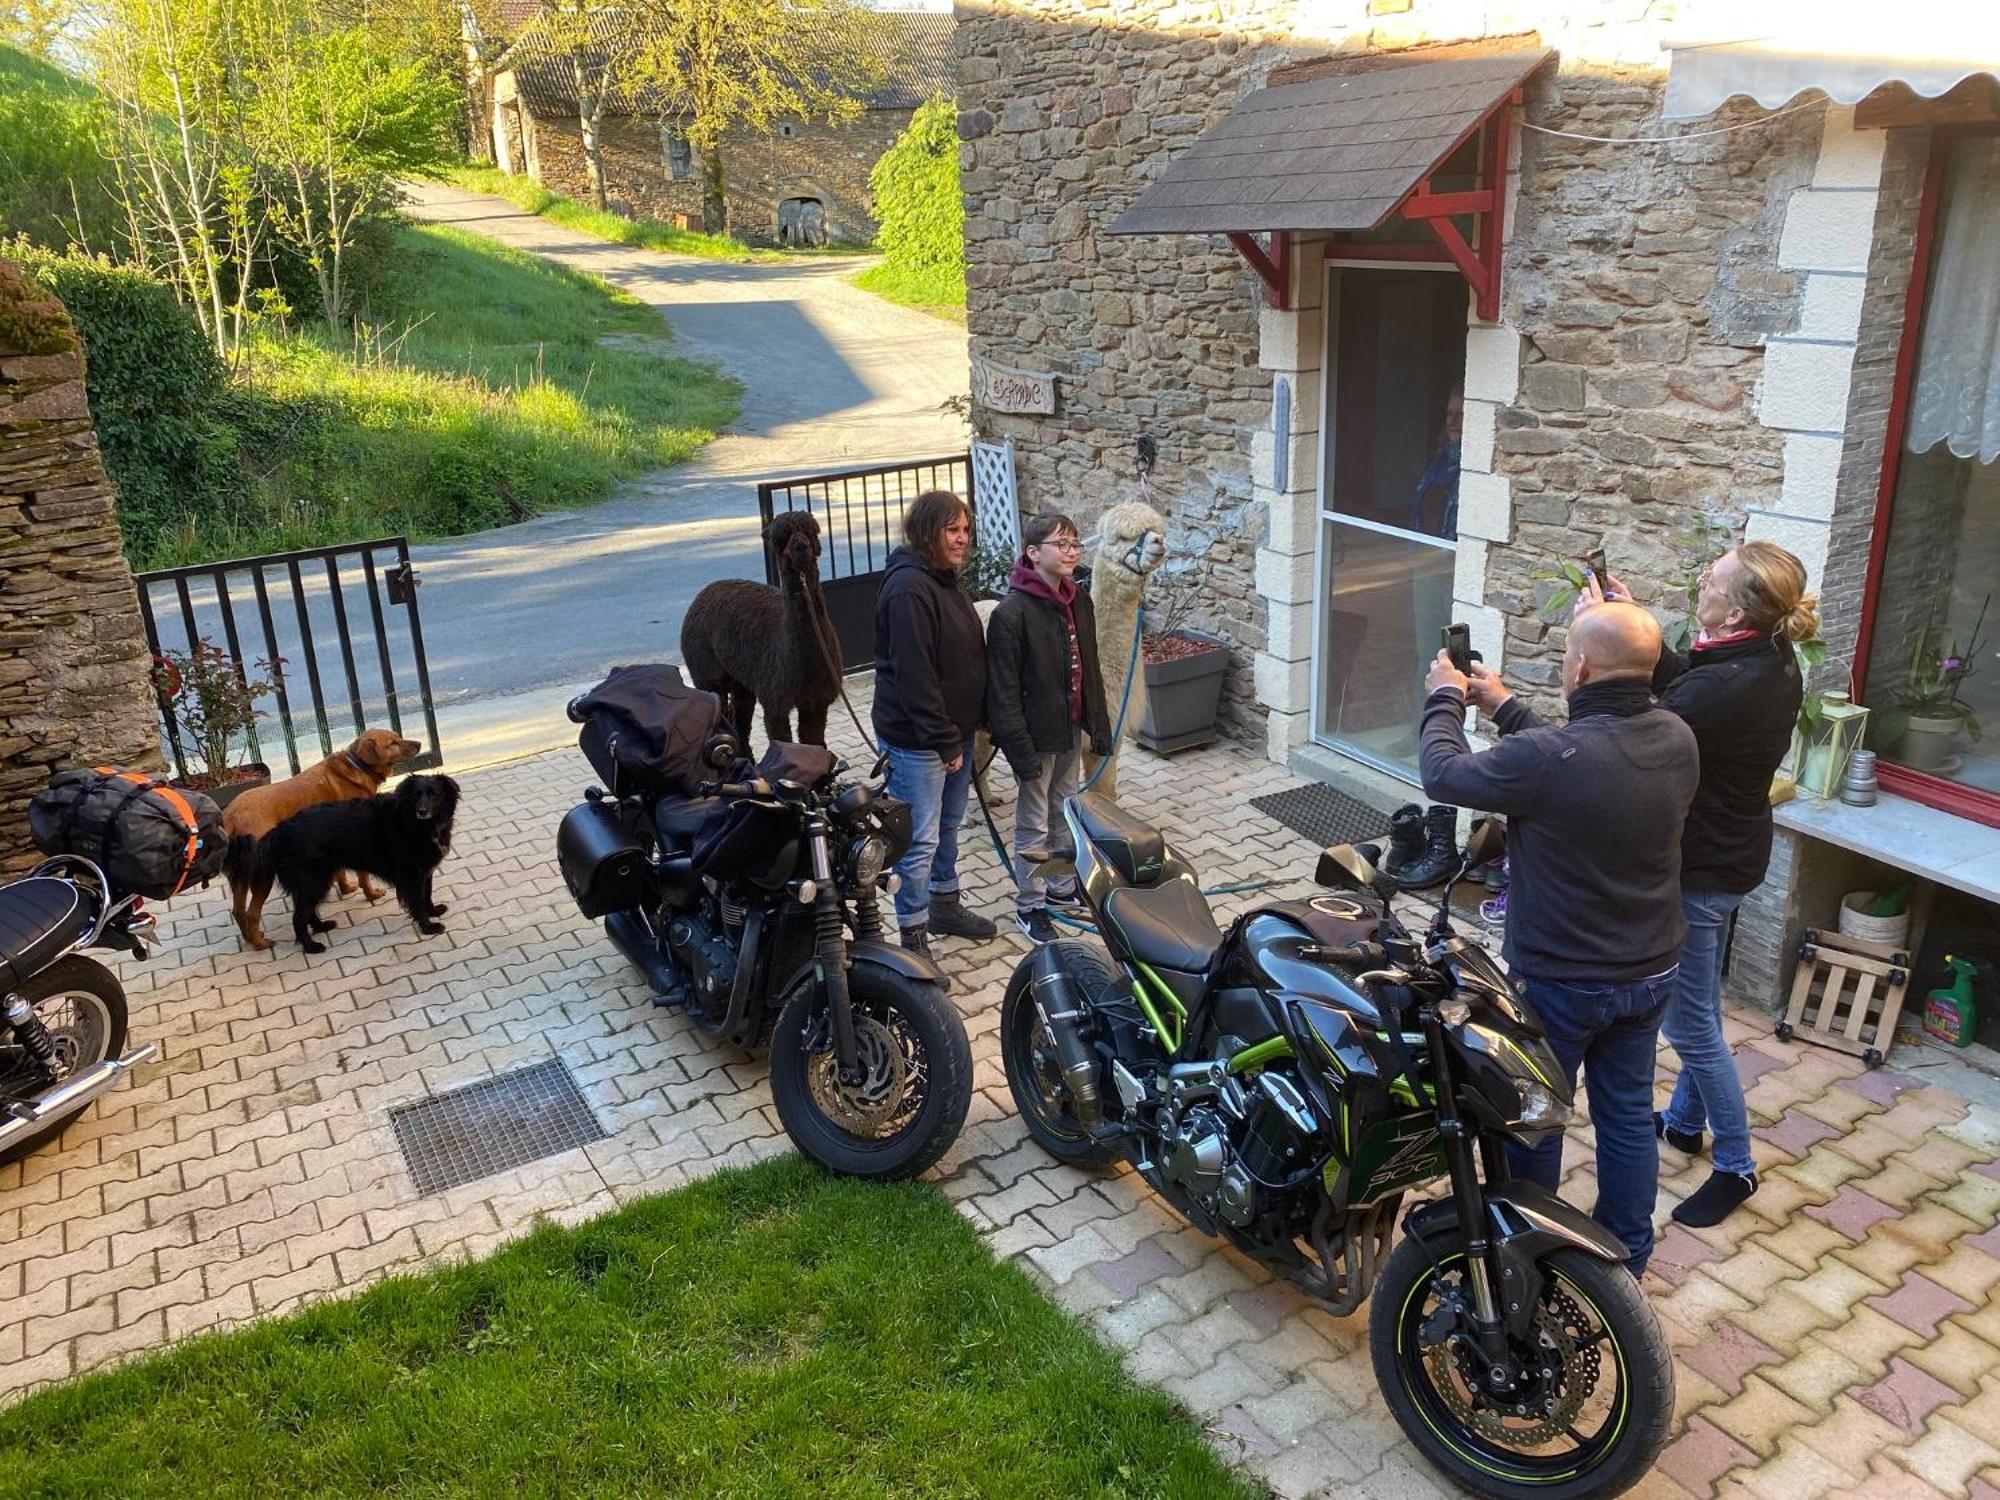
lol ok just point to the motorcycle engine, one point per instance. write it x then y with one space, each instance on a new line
1197 1154
706 952
1220 1162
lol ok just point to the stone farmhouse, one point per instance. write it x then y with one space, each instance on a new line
804 182
1418 299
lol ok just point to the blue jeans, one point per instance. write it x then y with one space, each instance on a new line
1610 1031
937 807
1709 1092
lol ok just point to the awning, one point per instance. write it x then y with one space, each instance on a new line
1338 152
1929 46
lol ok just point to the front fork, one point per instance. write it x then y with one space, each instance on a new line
1489 1317
830 952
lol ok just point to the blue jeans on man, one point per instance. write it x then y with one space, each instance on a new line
1610 1031
1709 1093
937 806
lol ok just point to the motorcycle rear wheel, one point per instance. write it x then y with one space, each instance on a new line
1598 1325
83 1005
1036 1086
913 1102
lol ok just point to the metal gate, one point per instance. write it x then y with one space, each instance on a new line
334 630
860 515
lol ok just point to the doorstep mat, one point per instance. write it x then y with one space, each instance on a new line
1325 815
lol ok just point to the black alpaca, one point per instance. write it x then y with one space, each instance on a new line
749 643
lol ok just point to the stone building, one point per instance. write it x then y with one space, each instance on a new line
1419 299
74 684
803 182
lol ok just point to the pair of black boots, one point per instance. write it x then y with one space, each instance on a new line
1423 846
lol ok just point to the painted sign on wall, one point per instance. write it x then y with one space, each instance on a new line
1002 388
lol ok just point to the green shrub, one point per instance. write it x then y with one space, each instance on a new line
54 186
918 205
155 387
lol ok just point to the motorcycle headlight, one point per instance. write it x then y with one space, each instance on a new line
870 856
1542 1110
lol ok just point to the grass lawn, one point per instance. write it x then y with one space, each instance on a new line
937 292
643 234
770 1332
483 395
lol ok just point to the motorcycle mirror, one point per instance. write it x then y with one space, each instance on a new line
1346 868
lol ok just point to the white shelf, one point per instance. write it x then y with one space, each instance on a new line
1952 851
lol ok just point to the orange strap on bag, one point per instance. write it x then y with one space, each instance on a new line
176 801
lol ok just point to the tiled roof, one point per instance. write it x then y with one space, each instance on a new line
923 67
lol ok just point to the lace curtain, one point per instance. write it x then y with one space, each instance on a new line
1957 396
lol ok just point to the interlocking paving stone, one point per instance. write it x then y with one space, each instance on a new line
1907 1395
1727 1355
1920 1304
1883 1085
1797 1133
1702 1455
1852 1212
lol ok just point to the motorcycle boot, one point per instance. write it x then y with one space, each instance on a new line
951 917
1440 859
1406 839
918 941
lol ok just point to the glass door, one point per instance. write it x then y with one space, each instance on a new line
1389 462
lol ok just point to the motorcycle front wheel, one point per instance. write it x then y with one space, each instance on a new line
1591 1409
916 1076
83 1006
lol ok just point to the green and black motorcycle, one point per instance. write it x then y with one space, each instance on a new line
1289 1083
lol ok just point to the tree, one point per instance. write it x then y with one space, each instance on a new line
593 43
35 26
919 206
710 65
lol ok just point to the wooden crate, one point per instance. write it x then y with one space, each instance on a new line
1847 993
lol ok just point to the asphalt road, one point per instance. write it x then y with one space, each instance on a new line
833 378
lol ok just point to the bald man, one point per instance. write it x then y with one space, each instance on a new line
1594 808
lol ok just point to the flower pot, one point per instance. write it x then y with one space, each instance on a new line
1856 923
239 780
1184 694
1929 741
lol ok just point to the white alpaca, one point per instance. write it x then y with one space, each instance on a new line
1130 545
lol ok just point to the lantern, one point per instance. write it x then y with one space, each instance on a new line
1830 734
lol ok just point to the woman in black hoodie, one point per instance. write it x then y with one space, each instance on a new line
1738 688
930 695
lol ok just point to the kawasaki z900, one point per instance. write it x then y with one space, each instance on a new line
1289 1083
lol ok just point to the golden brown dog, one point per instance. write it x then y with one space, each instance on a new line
357 771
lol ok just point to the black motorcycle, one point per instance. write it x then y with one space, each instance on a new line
755 907
1289 1083
62 1015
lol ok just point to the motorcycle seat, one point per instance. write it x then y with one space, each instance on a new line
39 919
1168 926
1136 850
679 819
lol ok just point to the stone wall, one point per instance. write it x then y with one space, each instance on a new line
827 162
74 665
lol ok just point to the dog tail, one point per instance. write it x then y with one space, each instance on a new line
244 859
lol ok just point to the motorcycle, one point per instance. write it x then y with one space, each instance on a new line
62 1015
1288 1084
755 907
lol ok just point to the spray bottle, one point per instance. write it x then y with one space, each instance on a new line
1949 1013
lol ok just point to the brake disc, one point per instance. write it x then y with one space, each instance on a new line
1545 1405
862 1107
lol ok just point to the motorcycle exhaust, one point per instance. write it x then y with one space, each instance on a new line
73 1094
634 938
1061 1010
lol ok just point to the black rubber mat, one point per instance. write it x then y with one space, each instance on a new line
493 1125
1324 815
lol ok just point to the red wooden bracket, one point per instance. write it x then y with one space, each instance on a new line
1273 268
1485 206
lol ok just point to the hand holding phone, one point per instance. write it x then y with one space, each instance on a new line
1594 561
1457 641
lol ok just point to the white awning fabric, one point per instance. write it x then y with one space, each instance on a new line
1846 53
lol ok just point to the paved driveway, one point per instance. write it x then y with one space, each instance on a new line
1838 1338
833 378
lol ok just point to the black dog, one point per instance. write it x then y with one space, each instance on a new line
402 836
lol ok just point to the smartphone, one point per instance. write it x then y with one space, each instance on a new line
1594 560
1458 646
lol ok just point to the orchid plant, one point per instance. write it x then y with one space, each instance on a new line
1937 671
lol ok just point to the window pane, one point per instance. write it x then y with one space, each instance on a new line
1388 598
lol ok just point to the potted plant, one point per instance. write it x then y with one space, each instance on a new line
1184 670
1931 718
210 703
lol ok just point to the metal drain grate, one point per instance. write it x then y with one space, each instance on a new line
493 1125
1324 815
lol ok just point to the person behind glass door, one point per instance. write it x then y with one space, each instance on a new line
1437 489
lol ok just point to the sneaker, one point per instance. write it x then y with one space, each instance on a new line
1036 925
1689 1141
918 941
1715 1200
951 917
1066 898
1493 910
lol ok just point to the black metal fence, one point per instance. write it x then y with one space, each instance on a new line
334 631
860 515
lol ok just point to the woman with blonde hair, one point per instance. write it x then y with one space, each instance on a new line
1738 688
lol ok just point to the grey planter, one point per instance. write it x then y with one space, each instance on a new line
1184 696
